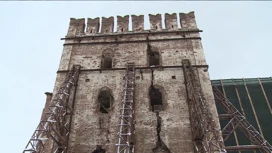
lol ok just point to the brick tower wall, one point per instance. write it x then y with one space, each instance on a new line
86 44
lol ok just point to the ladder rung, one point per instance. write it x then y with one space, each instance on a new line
123 134
126 116
121 144
126 108
124 125
127 102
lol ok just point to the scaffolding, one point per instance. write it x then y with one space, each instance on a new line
205 133
237 120
53 131
126 127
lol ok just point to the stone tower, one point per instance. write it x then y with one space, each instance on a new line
161 114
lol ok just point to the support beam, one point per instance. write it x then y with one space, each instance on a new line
243 148
140 68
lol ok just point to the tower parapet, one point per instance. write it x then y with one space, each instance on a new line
122 23
107 25
170 21
77 26
187 21
137 23
155 22
93 25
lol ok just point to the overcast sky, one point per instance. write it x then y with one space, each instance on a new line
236 40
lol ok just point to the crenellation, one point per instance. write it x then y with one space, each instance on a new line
170 21
155 22
191 20
137 23
183 21
107 25
76 27
72 27
187 20
93 25
122 23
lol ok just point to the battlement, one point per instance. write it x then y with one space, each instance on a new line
77 26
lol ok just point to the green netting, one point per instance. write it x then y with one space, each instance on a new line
258 100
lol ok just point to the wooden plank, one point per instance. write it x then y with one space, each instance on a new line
243 148
266 99
252 106
239 99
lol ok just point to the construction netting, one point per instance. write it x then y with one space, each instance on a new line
253 98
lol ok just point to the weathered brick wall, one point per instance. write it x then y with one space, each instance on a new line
89 126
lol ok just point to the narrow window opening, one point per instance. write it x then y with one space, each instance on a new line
107 59
92 31
156 27
105 101
172 26
122 29
107 62
173 77
155 99
154 59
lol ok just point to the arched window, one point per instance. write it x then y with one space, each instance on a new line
106 61
105 100
155 99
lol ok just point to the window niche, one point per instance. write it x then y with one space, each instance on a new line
105 100
106 60
153 57
156 99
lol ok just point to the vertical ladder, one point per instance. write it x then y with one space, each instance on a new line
126 127
239 121
206 137
52 133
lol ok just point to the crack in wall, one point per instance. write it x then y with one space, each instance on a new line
160 145
108 130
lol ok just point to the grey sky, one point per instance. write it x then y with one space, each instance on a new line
236 41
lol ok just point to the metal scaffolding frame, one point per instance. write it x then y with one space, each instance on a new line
237 120
126 127
53 131
206 137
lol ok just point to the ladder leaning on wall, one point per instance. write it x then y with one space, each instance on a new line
126 127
